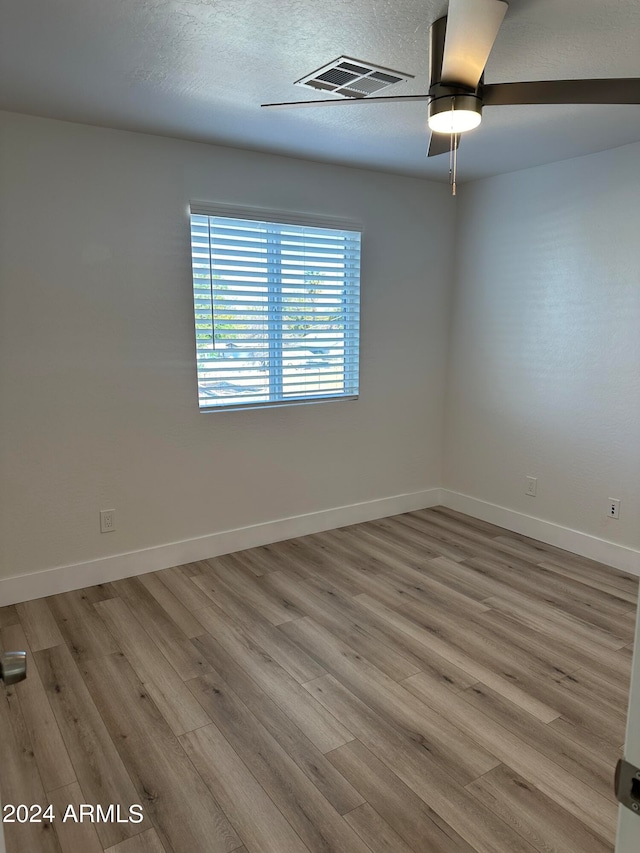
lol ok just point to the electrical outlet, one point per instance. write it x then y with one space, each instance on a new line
107 520
613 508
532 487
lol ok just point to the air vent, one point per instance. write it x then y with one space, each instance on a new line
351 78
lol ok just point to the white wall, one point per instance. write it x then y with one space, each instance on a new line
544 376
97 378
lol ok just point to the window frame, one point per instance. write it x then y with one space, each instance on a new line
351 360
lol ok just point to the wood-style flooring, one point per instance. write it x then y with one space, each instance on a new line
427 683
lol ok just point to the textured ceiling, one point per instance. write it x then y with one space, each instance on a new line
199 69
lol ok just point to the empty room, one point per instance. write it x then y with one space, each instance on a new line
319 426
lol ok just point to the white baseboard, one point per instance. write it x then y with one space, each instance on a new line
584 544
78 575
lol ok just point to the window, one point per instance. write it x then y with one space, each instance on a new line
277 303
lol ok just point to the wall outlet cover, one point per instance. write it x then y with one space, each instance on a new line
107 520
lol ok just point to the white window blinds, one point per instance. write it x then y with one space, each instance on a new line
277 309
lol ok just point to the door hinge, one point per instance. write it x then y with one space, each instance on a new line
627 782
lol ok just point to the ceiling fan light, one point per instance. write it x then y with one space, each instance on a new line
454 121
455 114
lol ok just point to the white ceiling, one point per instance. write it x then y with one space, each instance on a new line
199 69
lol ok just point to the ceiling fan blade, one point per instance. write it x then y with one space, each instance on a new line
341 101
625 90
472 27
440 143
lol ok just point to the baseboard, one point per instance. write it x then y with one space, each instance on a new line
584 544
78 575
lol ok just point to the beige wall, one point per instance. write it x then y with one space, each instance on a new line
97 378
544 376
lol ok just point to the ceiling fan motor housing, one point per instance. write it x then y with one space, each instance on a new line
453 100
446 97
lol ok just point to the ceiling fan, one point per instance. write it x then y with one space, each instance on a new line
459 47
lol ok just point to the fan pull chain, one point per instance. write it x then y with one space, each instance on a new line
453 162
453 155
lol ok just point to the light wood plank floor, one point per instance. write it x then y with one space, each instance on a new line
426 683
